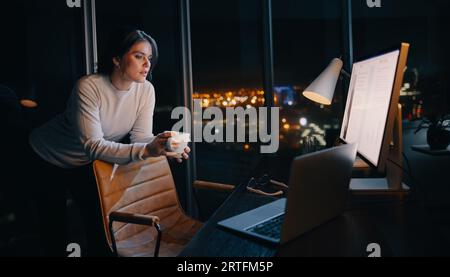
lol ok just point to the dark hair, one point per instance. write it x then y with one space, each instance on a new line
120 43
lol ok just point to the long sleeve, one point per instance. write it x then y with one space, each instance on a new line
91 136
142 131
97 118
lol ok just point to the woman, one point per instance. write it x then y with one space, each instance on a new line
103 109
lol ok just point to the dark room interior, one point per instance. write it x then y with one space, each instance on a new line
121 197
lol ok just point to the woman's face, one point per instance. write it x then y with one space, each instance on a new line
135 64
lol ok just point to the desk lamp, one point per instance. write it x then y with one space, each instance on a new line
321 90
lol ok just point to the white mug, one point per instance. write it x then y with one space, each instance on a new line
177 137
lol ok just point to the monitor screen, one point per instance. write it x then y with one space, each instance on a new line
368 103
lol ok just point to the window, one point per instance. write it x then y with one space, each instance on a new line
423 25
227 71
307 36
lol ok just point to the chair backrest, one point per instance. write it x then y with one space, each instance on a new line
144 187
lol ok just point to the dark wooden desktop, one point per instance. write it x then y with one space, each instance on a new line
400 228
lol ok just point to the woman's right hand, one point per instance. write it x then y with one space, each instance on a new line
157 147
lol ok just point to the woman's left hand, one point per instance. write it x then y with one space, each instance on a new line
184 155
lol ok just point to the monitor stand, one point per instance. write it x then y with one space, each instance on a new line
391 184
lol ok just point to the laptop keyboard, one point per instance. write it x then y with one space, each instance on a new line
270 228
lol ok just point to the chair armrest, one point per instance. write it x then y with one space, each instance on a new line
140 219
149 220
211 185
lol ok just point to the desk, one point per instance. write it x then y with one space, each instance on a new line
427 150
400 228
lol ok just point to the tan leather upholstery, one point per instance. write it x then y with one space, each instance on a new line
145 188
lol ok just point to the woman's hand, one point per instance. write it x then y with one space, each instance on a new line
180 157
158 148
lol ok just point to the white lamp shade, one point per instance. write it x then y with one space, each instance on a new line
321 90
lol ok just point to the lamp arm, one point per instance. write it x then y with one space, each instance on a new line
345 73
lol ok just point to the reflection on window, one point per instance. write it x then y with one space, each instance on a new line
245 98
239 98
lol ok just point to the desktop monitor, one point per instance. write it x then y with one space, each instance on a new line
371 106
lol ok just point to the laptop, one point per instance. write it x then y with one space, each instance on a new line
318 190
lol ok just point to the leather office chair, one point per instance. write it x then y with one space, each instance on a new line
141 211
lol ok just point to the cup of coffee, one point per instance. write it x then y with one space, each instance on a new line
178 142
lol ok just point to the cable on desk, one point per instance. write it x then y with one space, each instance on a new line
415 185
